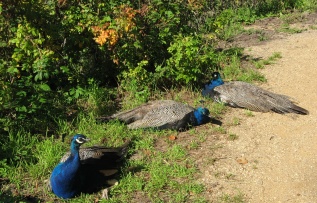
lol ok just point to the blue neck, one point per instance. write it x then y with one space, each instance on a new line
73 162
74 148
200 118
64 177
213 83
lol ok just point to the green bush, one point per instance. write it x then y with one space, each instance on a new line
52 50
190 59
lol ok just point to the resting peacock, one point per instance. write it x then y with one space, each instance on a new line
244 95
162 114
85 170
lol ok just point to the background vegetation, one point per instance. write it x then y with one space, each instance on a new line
65 62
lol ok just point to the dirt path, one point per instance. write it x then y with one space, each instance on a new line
281 150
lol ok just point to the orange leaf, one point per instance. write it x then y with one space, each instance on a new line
242 160
172 137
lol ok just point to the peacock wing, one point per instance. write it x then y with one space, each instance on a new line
139 112
165 116
243 95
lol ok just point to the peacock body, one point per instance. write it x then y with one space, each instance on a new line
162 114
85 170
245 95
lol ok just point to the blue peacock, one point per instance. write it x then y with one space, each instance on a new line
245 95
85 170
162 114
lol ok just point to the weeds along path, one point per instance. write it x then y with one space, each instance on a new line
274 158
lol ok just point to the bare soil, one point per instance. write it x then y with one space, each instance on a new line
274 158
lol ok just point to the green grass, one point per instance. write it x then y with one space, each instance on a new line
248 113
235 121
234 70
233 137
260 33
291 30
159 175
162 177
260 64
293 17
236 198
312 27
228 32
220 129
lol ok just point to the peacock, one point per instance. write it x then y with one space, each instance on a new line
85 170
162 114
244 95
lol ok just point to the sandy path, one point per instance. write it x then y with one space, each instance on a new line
287 148
281 149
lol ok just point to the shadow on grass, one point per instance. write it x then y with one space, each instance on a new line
8 197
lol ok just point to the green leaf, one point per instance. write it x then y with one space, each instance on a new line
21 93
21 109
65 69
45 87
42 100
12 70
3 44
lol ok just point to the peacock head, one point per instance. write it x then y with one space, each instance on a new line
215 81
216 76
79 139
202 115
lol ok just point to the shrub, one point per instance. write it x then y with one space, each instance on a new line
190 58
51 50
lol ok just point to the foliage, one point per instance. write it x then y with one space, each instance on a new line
191 57
306 5
53 50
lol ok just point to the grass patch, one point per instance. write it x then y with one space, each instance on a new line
248 113
260 33
312 27
233 137
235 121
162 177
292 17
237 198
220 130
155 175
233 70
291 30
260 64
17 150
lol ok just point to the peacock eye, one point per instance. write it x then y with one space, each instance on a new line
80 140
